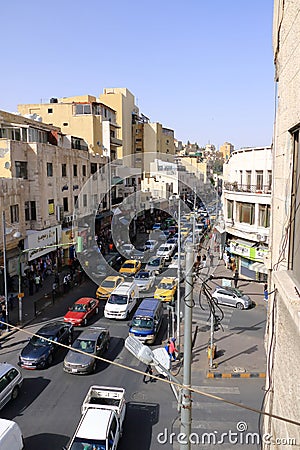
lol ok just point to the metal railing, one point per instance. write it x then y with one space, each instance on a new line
247 188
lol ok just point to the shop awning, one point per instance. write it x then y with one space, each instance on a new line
258 267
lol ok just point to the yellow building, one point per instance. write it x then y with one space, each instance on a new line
226 149
82 116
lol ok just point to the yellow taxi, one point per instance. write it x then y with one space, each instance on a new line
166 289
185 231
107 286
130 267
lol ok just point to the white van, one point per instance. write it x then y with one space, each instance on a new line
10 435
121 301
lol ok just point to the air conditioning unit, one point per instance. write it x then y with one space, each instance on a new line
261 237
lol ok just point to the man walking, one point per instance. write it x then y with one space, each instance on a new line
236 278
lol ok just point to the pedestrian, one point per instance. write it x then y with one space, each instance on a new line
203 261
37 282
211 257
172 349
150 372
236 278
226 259
66 283
266 293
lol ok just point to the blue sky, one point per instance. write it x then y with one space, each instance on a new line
202 68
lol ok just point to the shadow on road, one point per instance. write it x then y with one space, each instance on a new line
31 389
139 420
46 441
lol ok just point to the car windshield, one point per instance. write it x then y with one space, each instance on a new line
88 444
237 292
166 286
127 247
142 322
142 275
78 307
108 284
39 341
164 249
85 345
154 262
128 266
118 299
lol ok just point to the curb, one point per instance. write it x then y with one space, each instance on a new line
236 375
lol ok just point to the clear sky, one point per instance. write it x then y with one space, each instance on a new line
201 67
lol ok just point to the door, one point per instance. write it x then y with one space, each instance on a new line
5 390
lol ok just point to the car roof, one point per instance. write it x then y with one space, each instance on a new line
51 328
112 278
131 261
167 279
91 333
5 367
84 300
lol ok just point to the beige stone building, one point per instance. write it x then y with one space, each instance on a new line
226 149
83 116
283 329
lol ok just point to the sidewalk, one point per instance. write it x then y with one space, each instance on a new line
240 349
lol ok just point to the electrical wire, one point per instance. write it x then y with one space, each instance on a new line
162 380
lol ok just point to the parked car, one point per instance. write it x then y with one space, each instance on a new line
39 352
93 341
11 381
166 289
130 267
232 297
144 280
156 263
81 311
107 286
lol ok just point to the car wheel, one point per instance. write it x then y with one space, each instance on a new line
49 360
240 306
15 393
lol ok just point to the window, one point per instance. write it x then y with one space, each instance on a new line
84 200
64 170
35 135
294 248
30 211
49 170
74 170
93 168
50 110
245 212
83 109
95 200
96 108
84 170
75 200
248 179
14 213
66 204
264 216
229 209
12 133
269 180
259 180
65 124
21 169
51 206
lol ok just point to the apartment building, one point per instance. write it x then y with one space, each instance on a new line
247 188
283 328
82 116
226 149
44 176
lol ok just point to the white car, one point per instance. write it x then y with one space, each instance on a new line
174 261
126 249
165 251
150 245
144 280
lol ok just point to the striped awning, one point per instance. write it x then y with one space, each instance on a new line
258 267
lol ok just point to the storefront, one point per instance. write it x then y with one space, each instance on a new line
249 258
41 243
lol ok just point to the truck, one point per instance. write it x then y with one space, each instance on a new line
101 424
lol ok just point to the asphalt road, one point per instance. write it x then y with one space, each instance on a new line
48 408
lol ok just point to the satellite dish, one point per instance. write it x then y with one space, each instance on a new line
7 165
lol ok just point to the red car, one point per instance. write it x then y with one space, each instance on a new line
81 311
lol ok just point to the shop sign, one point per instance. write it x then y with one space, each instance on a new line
40 239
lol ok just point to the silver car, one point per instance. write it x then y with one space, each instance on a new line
10 383
155 264
92 342
232 297
144 280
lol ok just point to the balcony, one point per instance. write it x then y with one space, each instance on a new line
246 188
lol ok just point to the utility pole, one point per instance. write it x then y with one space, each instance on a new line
5 268
211 355
178 278
186 406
